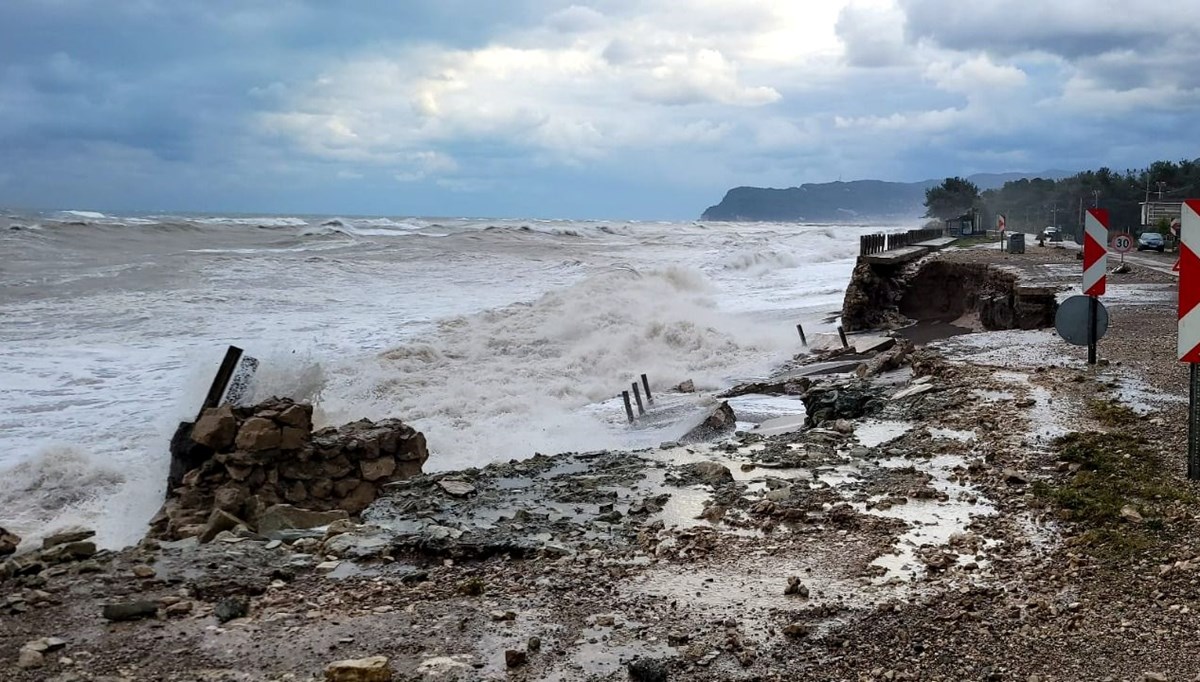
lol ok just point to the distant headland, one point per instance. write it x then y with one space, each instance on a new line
844 201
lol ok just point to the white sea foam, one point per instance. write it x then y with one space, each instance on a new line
512 381
505 338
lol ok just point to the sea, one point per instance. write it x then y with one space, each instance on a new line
496 338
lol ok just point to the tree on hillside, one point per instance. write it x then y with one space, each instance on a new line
954 197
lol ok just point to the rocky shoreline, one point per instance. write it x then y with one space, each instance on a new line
953 512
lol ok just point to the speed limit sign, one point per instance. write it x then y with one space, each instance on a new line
1122 243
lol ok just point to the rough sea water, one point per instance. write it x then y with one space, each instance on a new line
497 338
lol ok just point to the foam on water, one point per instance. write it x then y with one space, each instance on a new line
498 339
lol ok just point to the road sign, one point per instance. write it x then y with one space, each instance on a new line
1189 323
1189 283
1175 226
1122 243
1095 254
1000 222
1071 320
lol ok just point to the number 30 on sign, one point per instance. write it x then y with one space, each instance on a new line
1122 243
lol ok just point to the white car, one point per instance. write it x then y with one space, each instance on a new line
1052 234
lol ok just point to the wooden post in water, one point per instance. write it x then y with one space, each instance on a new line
803 338
628 407
842 334
637 395
646 385
233 355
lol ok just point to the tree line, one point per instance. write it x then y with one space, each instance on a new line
1031 205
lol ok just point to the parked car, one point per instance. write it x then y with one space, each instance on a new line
1052 234
1151 241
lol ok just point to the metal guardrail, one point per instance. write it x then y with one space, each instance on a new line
875 243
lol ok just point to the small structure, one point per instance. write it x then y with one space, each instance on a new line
964 226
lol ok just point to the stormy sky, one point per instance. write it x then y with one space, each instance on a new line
537 108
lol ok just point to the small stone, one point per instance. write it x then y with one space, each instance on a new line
131 610
1014 476
1155 677
534 644
54 643
713 473
327 566
605 621
231 607
28 658
504 615
218 522
273 544
688 386
373 669
143 571
1131 514
647 670
678 639
456 487
797 630
515 658
796 587
181 608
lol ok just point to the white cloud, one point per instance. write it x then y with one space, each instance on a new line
975 75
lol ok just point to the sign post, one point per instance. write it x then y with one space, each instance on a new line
1095 264
1122 244
1189 322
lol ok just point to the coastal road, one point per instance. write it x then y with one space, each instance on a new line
1155 261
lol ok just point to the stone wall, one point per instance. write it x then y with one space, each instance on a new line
235 463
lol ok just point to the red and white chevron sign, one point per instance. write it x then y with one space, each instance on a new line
1189 282
1095 251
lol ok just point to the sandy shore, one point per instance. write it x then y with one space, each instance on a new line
941 523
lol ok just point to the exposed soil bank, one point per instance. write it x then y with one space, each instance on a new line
937 290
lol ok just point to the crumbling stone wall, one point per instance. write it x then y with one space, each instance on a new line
241 461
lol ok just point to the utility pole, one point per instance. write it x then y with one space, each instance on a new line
1161 184
1095 198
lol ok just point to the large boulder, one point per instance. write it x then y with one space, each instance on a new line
281 517
373 669
8 542
720 422
258 434
216 428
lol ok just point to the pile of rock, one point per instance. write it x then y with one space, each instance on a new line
66 546
242 463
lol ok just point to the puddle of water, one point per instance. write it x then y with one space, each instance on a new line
931 522
875 432
1141 398
758 408
774 427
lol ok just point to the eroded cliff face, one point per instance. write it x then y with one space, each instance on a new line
887 297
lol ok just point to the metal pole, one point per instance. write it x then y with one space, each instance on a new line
803 338
1194 424
842 334
628 407
646 385
1093 303
637 393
